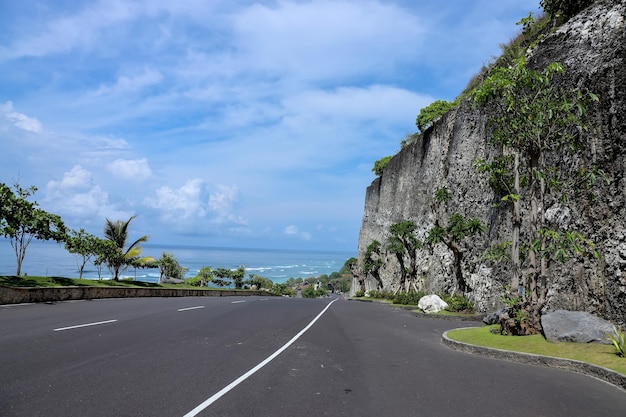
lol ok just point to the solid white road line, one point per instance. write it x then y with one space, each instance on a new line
190 308
84 325
252 371
237 302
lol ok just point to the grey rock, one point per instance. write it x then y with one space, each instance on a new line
494 318
575 326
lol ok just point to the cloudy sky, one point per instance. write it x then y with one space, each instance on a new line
227 122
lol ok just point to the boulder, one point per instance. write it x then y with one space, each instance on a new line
494 318
431 304
575 326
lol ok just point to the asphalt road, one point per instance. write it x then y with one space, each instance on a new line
249 356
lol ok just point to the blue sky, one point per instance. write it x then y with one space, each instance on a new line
227 122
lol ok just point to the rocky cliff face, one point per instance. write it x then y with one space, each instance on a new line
592 47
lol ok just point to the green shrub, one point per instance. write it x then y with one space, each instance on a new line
311 292
564 8
283 289
618 340
408 298
380 165
359 293
381 295
458 303
433 112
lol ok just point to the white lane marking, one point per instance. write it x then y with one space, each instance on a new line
252 371
237 302
190 308
84 325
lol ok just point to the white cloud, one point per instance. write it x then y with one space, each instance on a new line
130 169
187 202
191 208
77 178
20 120
76 197
133 82
293 231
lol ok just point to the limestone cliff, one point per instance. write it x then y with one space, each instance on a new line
592 47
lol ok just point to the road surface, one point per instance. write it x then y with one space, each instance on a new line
254 356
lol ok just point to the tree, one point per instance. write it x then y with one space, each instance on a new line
533 116
117 232
84 245
456 229
206 275
224 277
238 276
169 267
403 241
372 262
261 282
21 221
452 235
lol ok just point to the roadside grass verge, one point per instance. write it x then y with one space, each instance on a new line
36 281
593 353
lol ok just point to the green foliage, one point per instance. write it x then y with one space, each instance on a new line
533 116
169 267
359 293
117 232
498 252
458 229
409 139
260 282
562 245
429 114
408 298
500 174
401 242
85 245
457 303
371 258
225 277
348 266
618 340
311 292
282 289
442 195
381 294
380 165
21 221
564 9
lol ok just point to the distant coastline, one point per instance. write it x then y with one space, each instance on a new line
51 259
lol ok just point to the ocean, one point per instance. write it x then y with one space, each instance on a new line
51 259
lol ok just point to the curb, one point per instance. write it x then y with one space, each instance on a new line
599 372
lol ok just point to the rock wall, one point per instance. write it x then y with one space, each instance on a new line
592 47
17 295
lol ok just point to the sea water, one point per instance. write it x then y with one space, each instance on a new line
51 259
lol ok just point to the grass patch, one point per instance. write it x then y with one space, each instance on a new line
35 281
593 353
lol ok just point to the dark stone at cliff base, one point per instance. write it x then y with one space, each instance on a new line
575 326
494 318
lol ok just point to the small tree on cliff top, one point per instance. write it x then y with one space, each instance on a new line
532 117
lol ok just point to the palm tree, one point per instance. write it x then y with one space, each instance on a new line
117 232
